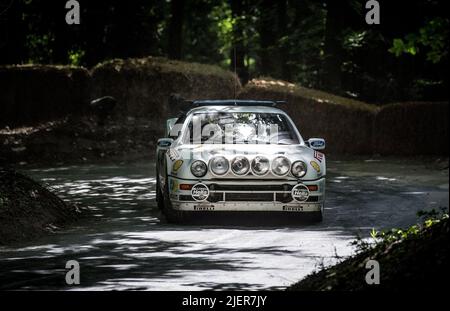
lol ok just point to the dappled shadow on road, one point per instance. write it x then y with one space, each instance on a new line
362 200
157 257
110 263
126 244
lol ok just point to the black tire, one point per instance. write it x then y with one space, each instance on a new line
316 217
172 215
159 195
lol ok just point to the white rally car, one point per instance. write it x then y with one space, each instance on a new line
236 157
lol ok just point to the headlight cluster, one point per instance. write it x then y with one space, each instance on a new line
199 168
299 169
281 166
240 165
260 165
219 165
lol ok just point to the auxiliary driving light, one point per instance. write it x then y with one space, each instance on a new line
281 166
240 165
260 165
299 169
219 165
199 168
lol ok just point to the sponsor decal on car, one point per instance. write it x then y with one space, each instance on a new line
318 156
293 208
315 166
300 193
173 154
200 192
203 208
176 166
173 185
317 143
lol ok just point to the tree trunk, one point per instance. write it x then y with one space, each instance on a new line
282 21
238 50
335 22
268 38
174 49
94 22
12 33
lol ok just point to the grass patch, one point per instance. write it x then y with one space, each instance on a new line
415 258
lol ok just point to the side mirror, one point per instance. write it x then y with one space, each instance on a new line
169 125
316 143
164 142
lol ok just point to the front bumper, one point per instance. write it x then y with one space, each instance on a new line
247 196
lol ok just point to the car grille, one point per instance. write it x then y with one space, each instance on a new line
249 193
255 197
217 187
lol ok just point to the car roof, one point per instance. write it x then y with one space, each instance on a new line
234 102
209 109
231 105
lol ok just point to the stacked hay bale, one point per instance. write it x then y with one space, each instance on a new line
148 89
346 124
412 128
143 86
34 93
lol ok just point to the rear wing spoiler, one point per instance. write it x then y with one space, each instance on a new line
230 102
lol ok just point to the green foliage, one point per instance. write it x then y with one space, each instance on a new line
429 218
399 46
381 238
206 32
224 23
304 43
354 39
76 57
40 47
433 38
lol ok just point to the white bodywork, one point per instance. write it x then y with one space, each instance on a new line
250 192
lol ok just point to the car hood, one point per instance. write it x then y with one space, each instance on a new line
206 151
190 153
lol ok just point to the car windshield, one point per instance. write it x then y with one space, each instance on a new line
240 128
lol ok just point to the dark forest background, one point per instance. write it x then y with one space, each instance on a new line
323 44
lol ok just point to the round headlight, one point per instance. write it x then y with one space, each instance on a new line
299 169
198 168
260 165
281 166
219 165
240 165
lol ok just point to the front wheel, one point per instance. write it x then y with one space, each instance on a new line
316 216
172 215
159 195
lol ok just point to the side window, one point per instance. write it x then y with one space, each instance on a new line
176 129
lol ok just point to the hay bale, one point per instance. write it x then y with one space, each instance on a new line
344 123
414 128
35 93
143 86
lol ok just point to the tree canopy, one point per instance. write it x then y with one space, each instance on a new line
324 44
